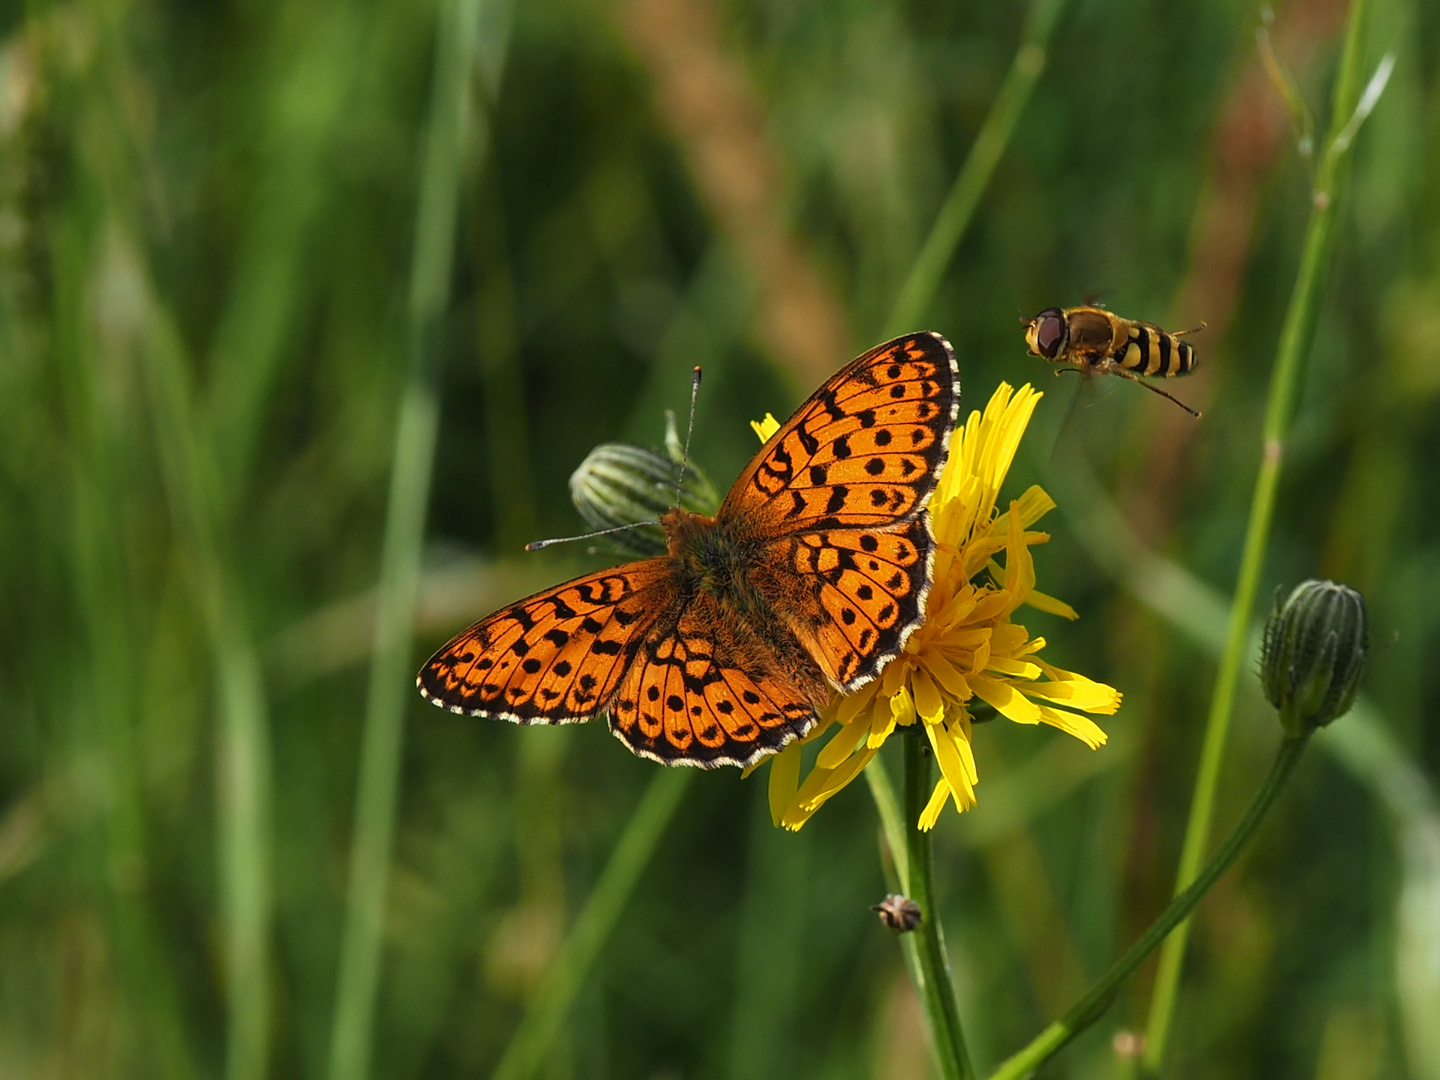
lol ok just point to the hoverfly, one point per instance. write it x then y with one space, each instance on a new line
1094 340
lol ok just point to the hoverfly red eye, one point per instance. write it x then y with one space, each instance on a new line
1049 332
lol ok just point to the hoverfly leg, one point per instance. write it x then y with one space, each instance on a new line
1153 389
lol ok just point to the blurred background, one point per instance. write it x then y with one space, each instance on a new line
257 259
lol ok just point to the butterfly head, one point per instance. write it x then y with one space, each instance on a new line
684 530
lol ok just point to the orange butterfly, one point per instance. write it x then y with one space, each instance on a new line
810 576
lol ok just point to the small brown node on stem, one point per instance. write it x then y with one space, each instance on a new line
899 913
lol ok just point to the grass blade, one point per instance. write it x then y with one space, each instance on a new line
390 689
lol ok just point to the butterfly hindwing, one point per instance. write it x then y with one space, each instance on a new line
697 695
866 589
866 449
555 657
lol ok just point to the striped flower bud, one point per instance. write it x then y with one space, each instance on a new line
620 484
1314 655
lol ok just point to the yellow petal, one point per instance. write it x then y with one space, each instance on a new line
981 660
849 706
1034 645
1044 602
1082 727
1009 639
964 799
931 814
929 702
1019 566
944 673
992 605
1018 668
784 780
893 677
1008 701
952 763
1034 504
842 745
1078 692
902 707
967 752
821 784
882 723
795 817
1011 419
765 428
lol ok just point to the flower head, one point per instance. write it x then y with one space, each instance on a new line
968 647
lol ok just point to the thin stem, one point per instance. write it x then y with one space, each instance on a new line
576 956
1294 345
243 747
1097 999
894 853
937 989
358 980
959 207
927 959
892 821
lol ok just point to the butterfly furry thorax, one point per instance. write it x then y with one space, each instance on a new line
809 577
712 557
717 559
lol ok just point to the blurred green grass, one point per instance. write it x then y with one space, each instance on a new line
228 193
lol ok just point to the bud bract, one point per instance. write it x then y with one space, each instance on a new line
1314 654
621 484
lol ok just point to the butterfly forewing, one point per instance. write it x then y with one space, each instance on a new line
865 449
870 585
555 657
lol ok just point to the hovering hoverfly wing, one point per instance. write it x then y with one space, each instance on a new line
1087 389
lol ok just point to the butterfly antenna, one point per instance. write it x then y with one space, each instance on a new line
536 545
689 430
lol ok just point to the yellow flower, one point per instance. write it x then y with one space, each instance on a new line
967 647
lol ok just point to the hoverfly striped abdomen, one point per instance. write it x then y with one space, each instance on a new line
1151 351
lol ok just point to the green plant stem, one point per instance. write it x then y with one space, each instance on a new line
1295 337
959 207
244 785
892 821
937 988
576 956
909 308
357 982
243 748
1097 999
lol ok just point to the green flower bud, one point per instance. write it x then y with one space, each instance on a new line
621 484
1314 654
